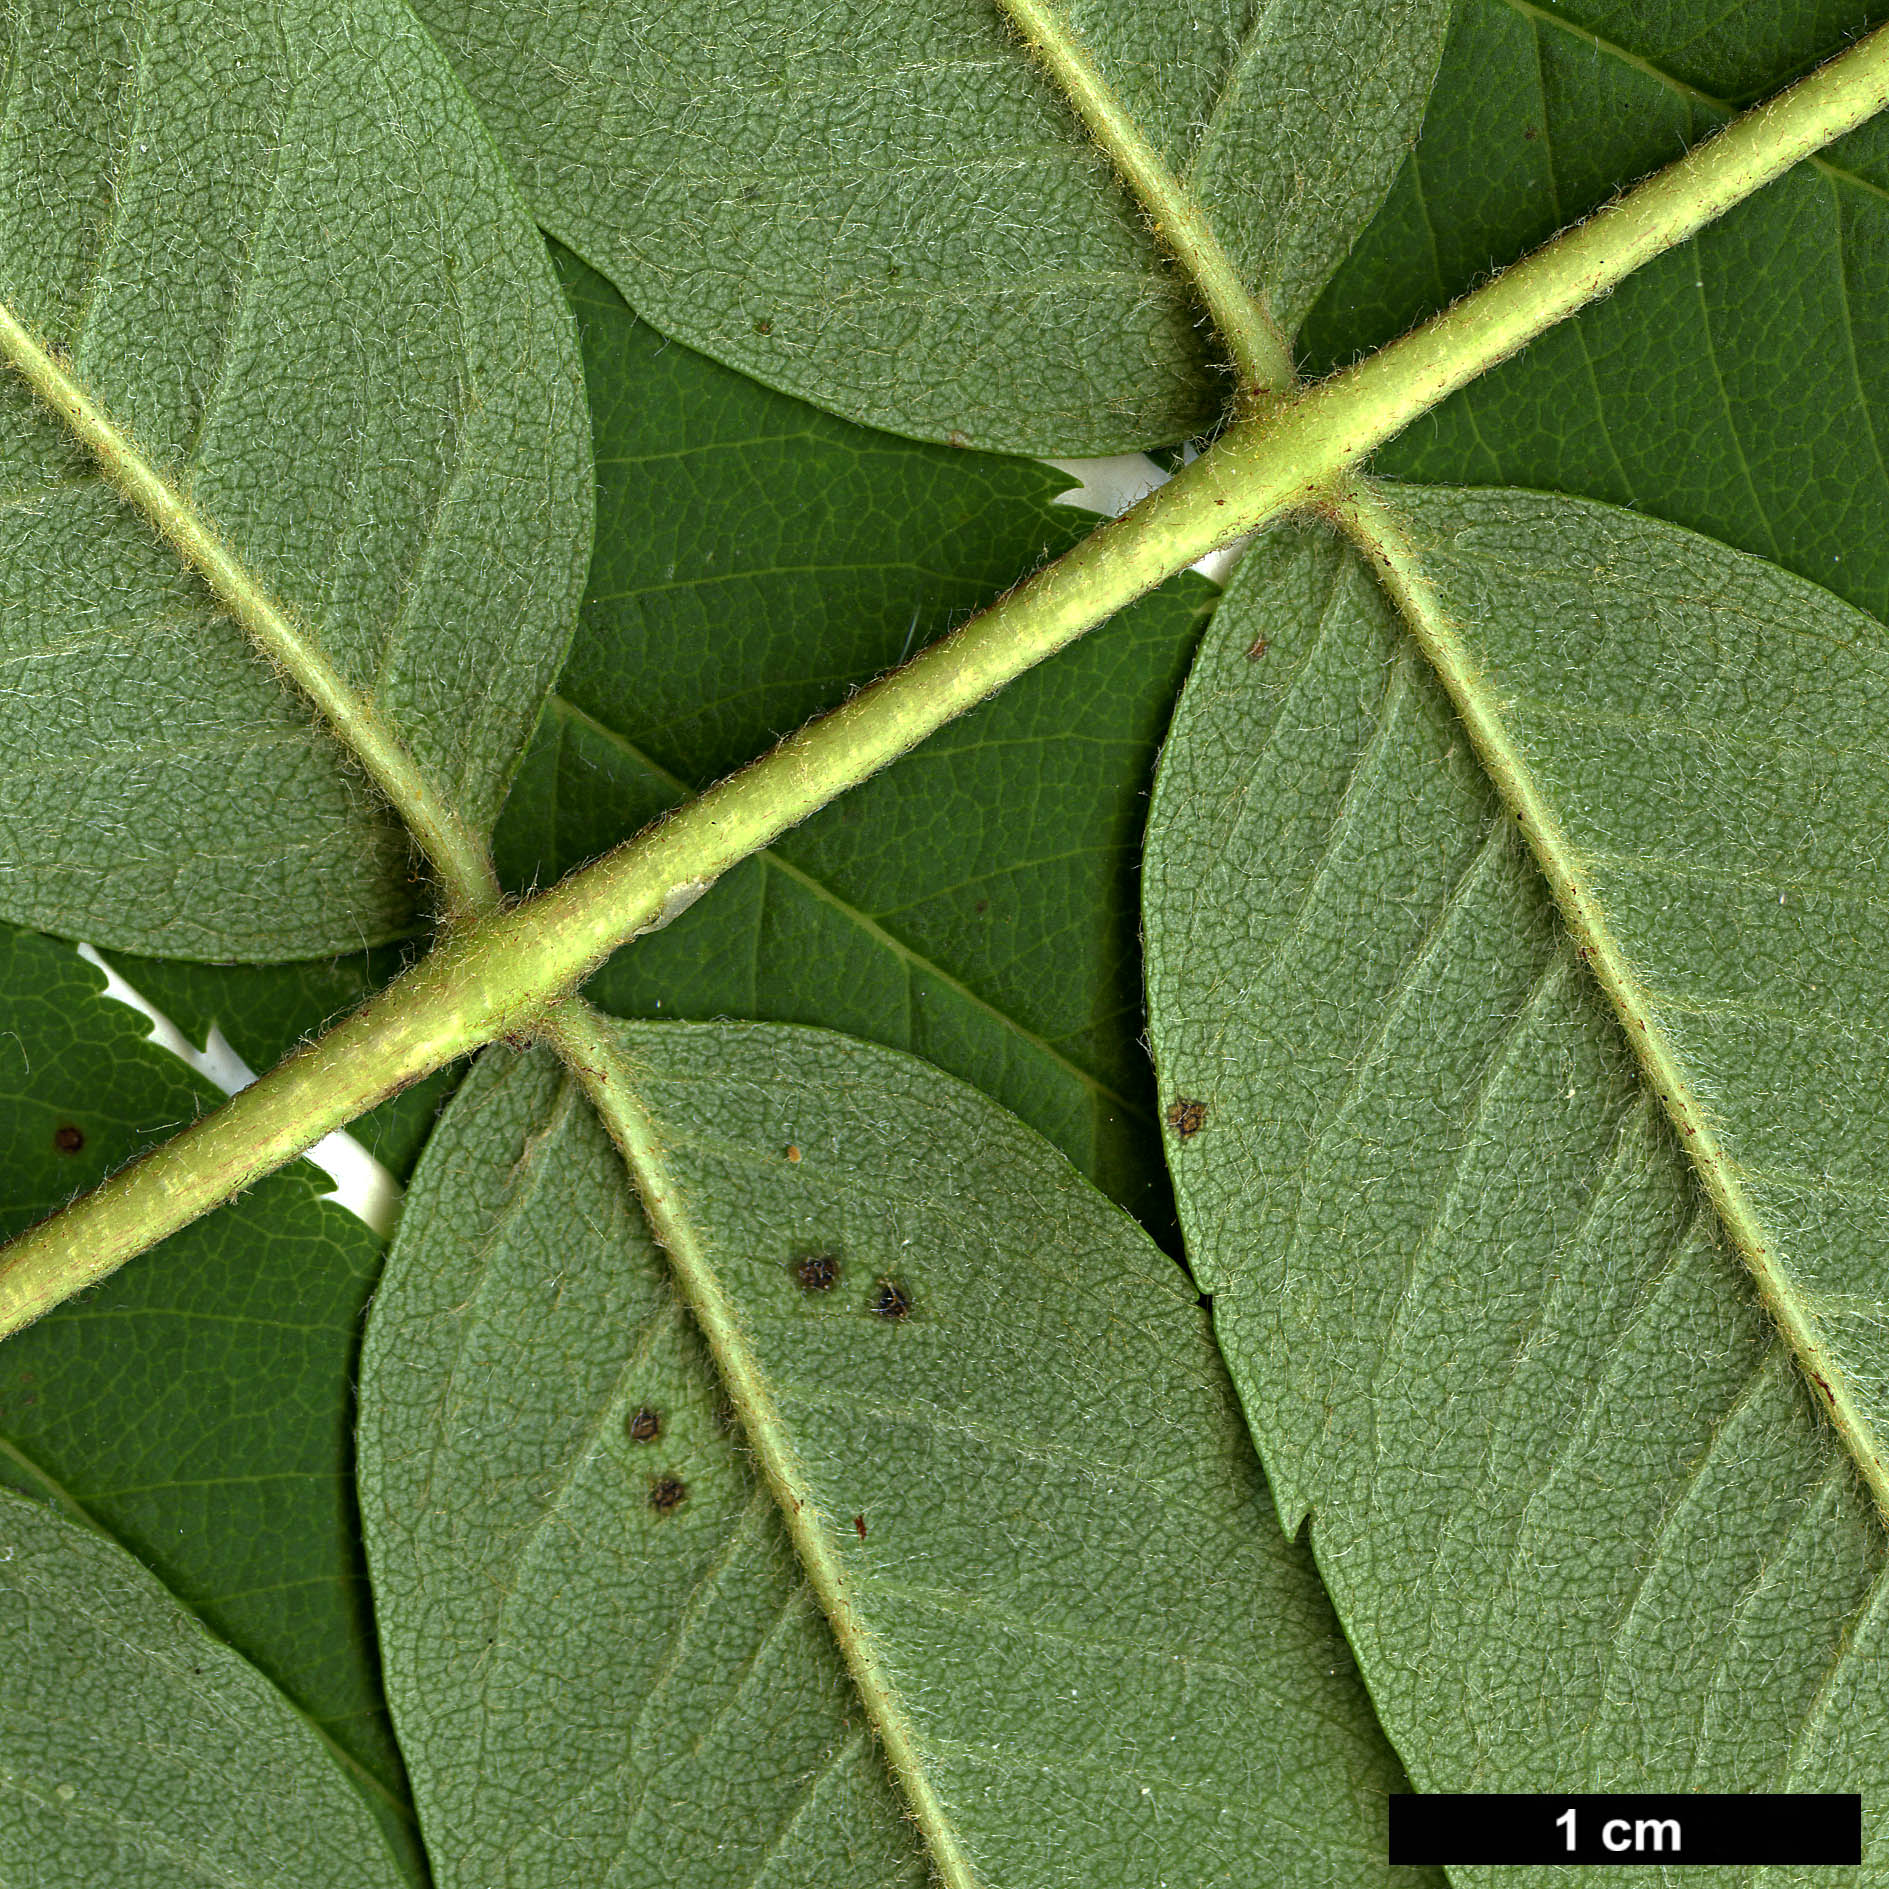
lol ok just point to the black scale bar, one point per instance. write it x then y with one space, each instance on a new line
1687 1827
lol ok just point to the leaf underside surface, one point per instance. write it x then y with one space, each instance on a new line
905 222
204 211
1568 1486
1020 1443
139 1751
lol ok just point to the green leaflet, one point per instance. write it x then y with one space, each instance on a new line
136 1752
902 221
275 246
1737 385
1733 713
976 904
1287 136
1568 1486
197 1405
504 1808
603 1660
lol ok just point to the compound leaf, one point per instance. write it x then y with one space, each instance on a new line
975 904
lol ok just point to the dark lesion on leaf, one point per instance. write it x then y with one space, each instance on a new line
1186 1116
667 1494
891 1300
68 1138
817 1272
644 1425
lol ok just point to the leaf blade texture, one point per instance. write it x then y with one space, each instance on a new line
1568 1486
196 1409
1731 710
140 1750
244 228
1030 1580
903 222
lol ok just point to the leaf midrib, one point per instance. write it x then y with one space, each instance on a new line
1382 534
1180 222
455 850
589 1044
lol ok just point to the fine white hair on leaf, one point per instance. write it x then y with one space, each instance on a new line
362 1184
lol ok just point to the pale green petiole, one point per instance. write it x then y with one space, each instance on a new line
504 973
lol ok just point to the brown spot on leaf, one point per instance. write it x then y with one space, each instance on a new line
667 1494
859 1523
890 1300
645 1426
1186 1116
68 1138
817 1272
764 327
1257 648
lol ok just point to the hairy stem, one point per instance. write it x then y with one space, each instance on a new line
505 972
1378 532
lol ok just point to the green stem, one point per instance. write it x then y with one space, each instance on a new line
502 974
1259 350
585 1041
458 852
